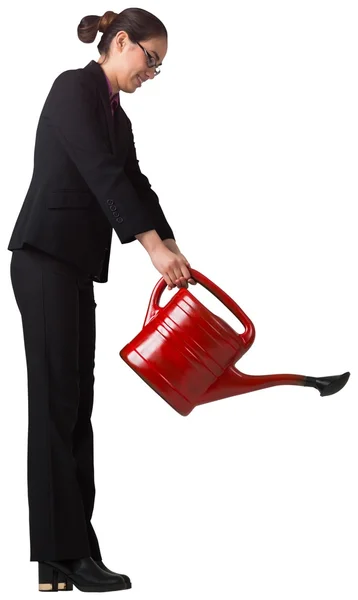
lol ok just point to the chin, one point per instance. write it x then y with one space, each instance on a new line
128 90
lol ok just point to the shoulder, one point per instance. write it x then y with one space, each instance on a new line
75 80
72 91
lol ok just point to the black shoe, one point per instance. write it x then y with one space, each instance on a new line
83 573
127 581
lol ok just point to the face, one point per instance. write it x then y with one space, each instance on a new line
128 62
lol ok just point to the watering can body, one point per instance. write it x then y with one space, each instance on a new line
187 354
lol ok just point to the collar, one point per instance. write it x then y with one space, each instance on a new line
96 71
111 94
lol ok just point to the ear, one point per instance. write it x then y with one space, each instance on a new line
121 39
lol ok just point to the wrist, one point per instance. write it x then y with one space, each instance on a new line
150 240
171 244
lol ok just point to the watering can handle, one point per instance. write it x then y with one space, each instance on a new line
154 308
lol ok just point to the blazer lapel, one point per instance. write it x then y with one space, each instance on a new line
100 77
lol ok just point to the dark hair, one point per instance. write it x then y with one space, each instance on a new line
139 24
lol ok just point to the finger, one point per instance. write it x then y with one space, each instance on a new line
184 277
170 283
185 272
177 272
176 276
181 282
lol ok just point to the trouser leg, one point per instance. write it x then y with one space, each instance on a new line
83 432
48 297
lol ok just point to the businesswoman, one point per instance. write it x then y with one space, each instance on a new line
86 182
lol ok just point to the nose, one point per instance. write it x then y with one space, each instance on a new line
150 73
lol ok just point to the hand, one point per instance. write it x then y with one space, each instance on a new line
172 266
171 244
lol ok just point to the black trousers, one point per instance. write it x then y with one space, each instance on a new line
57 308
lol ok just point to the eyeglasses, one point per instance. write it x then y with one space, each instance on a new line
150 59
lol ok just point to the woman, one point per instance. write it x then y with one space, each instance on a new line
86 182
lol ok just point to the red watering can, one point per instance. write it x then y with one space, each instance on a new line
187 354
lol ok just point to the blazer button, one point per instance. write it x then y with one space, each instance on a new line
109 201
112 208
119 219
116 214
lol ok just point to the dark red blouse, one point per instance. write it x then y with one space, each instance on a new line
113 98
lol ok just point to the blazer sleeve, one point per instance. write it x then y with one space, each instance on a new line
145 191
70 110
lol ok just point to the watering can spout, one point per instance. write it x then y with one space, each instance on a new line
233 382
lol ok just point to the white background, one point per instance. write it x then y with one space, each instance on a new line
249 138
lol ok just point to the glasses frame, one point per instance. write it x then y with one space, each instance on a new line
150 59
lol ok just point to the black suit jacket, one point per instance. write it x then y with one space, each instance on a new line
86 179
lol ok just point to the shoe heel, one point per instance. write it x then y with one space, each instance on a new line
51 580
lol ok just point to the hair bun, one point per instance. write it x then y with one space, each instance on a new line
106 20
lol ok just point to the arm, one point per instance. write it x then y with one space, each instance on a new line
144 190
172 245
151 240
70 111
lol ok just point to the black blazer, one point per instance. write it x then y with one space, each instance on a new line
86 179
